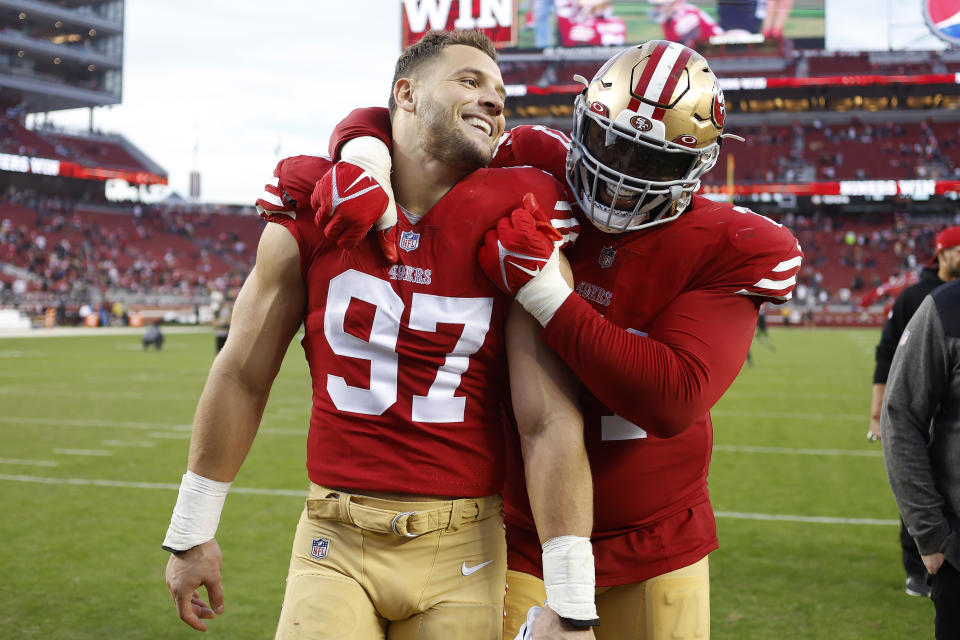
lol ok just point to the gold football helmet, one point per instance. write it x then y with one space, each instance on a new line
645 129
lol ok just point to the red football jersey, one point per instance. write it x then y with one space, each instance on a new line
407 360
660 329
689 25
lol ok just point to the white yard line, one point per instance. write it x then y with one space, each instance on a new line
30 463
733 448
82 452
301 493
811 519
86 422
123 484
156 427
145 444
62 391
788 415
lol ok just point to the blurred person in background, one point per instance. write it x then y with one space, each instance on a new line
221 321
943 267
920 422
153 337
775 20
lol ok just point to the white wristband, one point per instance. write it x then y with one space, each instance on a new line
373 155
546 291
570 579
197 513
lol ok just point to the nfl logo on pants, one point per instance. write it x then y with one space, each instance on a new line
319 548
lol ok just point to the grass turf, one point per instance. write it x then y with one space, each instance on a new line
82 560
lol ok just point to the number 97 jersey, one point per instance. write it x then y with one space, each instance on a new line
407 360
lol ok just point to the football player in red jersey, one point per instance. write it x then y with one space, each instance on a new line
669 285
401 536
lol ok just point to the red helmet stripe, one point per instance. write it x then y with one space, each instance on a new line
647 74
672 80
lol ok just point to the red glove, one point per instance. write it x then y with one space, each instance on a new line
519 247
347 201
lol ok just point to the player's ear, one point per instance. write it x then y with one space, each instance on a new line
403 94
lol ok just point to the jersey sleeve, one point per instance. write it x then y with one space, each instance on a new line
287 193
667 380
367 121
555 207
534 146
763 261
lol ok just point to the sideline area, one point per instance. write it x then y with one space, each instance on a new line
68 332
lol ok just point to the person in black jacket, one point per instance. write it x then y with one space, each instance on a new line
921 444
945 267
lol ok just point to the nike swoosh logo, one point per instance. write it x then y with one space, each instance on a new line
525 270
465 570
365 174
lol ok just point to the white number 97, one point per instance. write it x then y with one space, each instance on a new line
426 311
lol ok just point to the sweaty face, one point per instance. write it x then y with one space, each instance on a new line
460 110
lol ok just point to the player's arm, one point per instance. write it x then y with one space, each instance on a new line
557 474
266 315
664 381
889 336
669 379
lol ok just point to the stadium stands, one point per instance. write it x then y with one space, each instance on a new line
842 151
90 149
75 248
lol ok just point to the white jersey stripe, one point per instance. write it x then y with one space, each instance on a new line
786 265
565 223
766 283
553 133
264 212
270 198
562 205
785 297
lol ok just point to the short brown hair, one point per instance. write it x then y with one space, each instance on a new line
430 46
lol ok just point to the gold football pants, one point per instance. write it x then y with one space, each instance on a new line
674 606
365 568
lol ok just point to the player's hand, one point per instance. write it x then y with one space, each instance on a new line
348 201
517 249
873 433
189 571
544 624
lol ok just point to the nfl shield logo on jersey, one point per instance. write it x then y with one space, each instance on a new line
319 548
409 240
607 254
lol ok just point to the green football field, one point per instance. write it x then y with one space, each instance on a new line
94 435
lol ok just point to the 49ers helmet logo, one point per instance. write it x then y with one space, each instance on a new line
719 109
640 123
